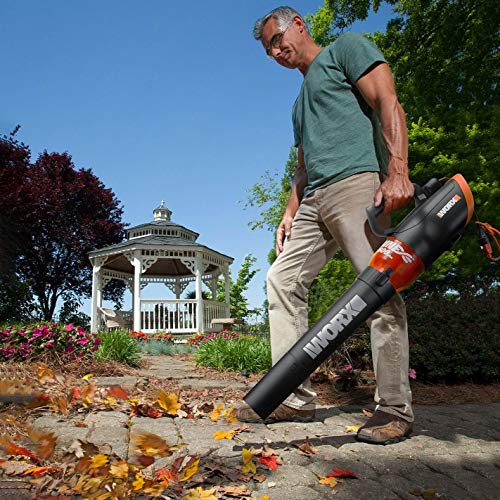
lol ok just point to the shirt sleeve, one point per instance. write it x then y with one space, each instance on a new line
355 54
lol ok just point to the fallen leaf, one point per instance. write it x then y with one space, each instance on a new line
86 377
367 413
98 461
216 413
139 481
44 442
37 471
265 497
223 435
150 444
11 448
117 392
352 428
235 490
45 374
307 448
342 473
230 415
119 470
248 464
169 401
330 481
190 470
60 405
165 476
270 461
200 493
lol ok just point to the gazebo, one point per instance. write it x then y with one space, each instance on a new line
162 251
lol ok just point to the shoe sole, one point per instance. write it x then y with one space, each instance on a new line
276 420
366 439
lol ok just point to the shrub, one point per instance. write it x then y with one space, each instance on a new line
20 343
118 345
235 353
451 340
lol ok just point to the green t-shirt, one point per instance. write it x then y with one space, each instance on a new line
339 133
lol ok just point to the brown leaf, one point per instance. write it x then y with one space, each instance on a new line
307 448
367 413
60 405
44 442
45 374
150 444
235 490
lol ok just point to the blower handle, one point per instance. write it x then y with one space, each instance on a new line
420 194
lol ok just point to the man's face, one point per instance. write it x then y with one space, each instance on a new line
282 45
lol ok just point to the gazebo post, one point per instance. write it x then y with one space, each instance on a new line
94 315
137 291
226 288
198 271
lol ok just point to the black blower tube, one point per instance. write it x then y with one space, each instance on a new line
441 213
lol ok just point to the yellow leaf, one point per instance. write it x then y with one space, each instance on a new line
248 464
223 435
215 414
86 377
98 461
230 415
190 470
352 428
265 497
110 401
330 481
200 493
120 470
139 482
169 401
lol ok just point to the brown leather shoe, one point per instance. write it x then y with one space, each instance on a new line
282 414
384 428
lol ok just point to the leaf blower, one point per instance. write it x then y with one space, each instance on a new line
443 208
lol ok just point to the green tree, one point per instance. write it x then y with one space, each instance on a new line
238 302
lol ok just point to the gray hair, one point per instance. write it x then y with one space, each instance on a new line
283 15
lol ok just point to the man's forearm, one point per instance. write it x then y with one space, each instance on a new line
395 134
297 192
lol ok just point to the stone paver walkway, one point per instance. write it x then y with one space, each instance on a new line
454 449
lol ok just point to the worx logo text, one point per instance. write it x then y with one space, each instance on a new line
337 324
448 206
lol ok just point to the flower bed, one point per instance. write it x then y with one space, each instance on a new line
19 343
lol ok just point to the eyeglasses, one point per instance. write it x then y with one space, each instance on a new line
275 42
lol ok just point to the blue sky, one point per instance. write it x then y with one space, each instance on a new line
163 101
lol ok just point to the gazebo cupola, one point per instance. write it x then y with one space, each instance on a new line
162 251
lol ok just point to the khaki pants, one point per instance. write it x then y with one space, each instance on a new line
328 219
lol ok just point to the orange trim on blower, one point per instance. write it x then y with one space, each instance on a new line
469 199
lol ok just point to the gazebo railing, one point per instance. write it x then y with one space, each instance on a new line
179 315
175 316
213 309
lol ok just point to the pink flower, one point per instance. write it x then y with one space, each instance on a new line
348 368
69 349
412 373
83 341
49 344
69 327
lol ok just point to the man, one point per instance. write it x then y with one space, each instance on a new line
348 127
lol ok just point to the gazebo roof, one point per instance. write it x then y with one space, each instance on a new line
159 235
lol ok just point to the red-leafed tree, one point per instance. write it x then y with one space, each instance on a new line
73 213
16 301
54 214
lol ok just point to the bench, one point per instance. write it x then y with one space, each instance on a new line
218 324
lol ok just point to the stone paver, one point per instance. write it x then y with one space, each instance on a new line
454 450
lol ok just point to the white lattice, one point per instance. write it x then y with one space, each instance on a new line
147 263
189 263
